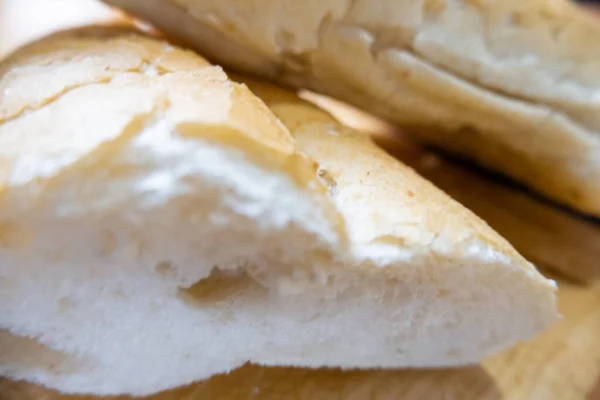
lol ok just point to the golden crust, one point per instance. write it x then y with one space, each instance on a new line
64 96
398 205
512 84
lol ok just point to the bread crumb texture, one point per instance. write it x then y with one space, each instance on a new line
159 224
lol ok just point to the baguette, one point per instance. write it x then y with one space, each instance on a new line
160 225
512 84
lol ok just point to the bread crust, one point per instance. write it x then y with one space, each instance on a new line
116 61
511 84
392 193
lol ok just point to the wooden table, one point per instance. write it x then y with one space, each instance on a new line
561 364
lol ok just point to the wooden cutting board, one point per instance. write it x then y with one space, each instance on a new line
561 364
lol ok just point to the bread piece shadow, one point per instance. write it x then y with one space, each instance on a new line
267 383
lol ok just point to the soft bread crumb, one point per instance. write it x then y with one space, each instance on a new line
179 232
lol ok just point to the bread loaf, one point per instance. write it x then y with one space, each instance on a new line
511 84
160 225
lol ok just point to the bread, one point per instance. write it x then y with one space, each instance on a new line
549 236
511 84
160 225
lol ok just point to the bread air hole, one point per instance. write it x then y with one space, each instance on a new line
165 268
23 352
453 353
64 304
221 286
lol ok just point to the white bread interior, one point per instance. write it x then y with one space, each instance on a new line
159 225
512 84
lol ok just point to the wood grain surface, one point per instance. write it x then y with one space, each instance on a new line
561 364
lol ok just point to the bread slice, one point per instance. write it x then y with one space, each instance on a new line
512 84
160 225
